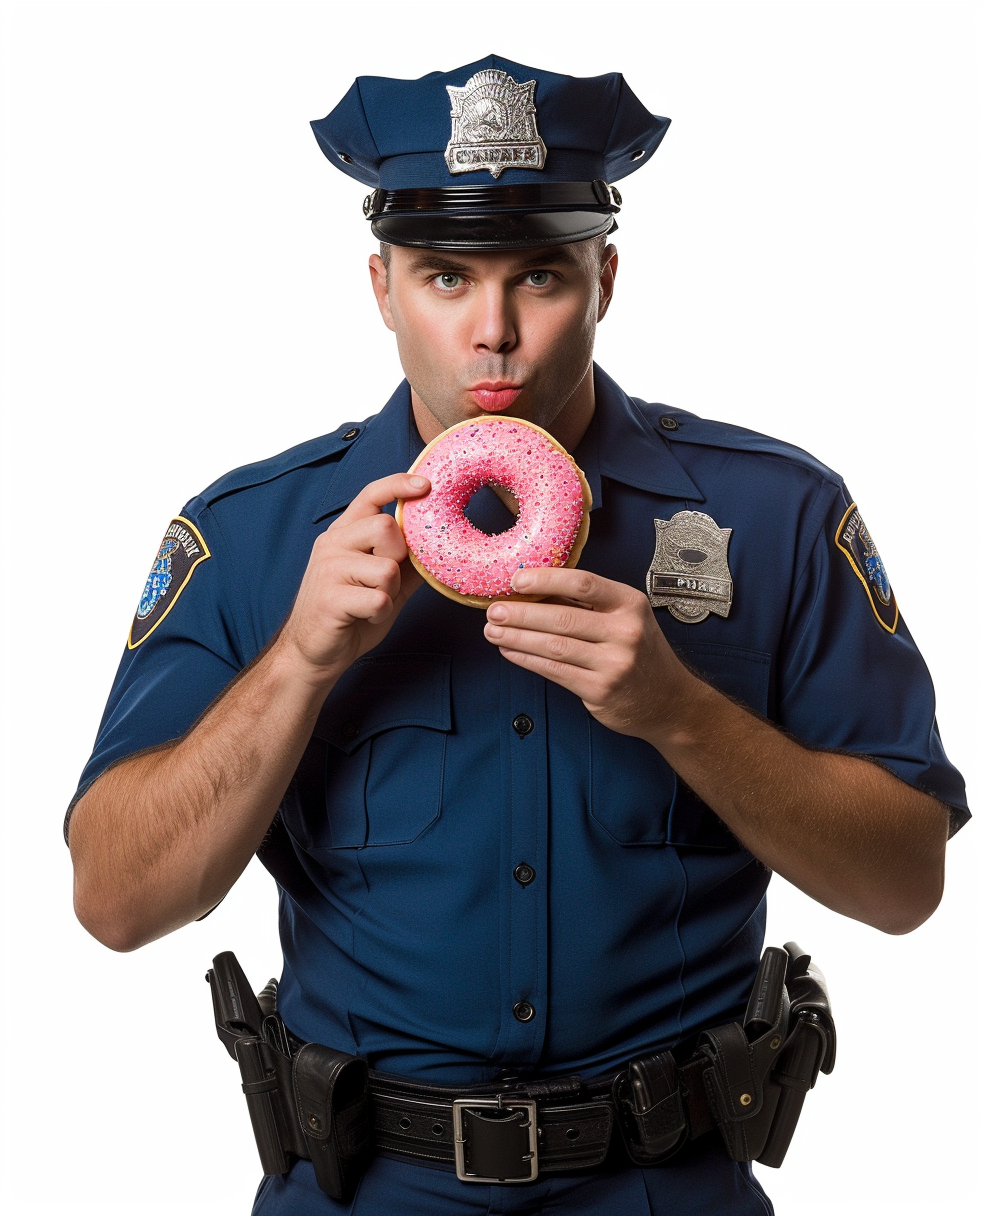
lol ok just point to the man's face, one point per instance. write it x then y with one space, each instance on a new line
497 331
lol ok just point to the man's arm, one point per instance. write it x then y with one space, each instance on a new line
161 837
842 828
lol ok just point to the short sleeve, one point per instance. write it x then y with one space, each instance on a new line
850 676
182 648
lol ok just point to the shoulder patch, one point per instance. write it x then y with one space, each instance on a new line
854 541
181 551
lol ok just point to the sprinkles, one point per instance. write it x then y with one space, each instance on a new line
549 487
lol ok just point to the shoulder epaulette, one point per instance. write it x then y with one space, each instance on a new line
314 451
679 426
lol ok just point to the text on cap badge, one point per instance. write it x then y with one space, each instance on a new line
689 574
493 125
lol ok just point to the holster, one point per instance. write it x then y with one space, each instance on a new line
757 1075
304 1099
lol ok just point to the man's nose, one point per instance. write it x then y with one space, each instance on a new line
494 328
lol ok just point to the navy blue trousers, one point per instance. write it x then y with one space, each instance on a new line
704 1183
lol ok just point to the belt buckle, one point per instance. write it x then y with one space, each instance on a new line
463 1142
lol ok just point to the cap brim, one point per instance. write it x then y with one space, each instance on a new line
500 230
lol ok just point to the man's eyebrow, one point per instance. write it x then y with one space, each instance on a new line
553 256
438 264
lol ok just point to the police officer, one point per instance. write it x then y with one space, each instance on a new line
536 842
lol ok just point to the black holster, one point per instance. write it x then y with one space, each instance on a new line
757 1075
304 1099
748 1080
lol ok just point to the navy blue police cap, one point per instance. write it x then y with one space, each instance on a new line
493 155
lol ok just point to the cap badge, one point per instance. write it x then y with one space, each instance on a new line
689 574
493 125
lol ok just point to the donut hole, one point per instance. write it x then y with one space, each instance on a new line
478 508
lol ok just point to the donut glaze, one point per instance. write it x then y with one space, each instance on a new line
467 564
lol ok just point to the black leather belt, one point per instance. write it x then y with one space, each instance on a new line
746 1079
513 1130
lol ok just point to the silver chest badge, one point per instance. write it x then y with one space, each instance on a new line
493 125
689 574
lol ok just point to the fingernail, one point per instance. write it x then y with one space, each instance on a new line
418 483
493 631
497 612
519 580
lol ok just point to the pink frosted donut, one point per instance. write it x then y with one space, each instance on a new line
452 554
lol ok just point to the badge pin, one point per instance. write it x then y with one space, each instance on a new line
855 542
493 125
689 574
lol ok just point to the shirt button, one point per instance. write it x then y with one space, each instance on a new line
350 434
524 874
669 423
349 730
523 1011
523 725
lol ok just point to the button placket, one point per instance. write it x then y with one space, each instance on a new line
525 857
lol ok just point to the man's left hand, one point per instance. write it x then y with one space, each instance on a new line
597 638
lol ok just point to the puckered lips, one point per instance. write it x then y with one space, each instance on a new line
494 396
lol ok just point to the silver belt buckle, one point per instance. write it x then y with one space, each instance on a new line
529 1109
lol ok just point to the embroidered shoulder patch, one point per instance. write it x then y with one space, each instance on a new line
855 542
181 551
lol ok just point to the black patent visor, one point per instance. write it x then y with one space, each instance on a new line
493 217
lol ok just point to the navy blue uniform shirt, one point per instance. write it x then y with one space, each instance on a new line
407 936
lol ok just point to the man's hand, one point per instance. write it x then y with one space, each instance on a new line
158 839
843 829
355 584
599 639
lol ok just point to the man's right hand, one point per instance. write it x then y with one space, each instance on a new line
160 837
355 584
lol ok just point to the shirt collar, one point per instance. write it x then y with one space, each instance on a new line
620 444
389 444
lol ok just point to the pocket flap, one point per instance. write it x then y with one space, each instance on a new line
737 672
384 691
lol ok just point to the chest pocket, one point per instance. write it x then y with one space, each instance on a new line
372 773
635 795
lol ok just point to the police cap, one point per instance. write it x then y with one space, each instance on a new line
493 155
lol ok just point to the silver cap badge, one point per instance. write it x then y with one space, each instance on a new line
493 125
689 574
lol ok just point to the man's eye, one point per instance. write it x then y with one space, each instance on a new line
448 282
539 278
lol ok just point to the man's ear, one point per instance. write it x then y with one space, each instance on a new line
607 279
380 285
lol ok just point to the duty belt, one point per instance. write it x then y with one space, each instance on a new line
748 1080
511 1131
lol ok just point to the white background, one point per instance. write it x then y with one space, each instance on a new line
186 291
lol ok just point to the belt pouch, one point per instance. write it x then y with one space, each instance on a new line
734 1097
649 1105
334 1111
261 1089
